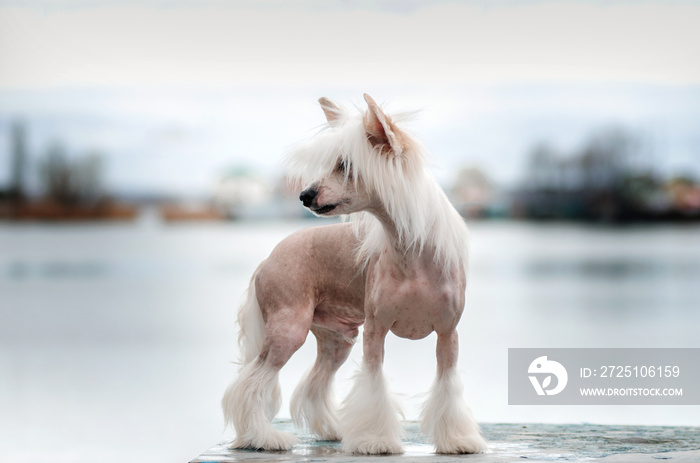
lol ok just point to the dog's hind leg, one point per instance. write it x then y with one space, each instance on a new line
370 414
446 416
253 399
313 404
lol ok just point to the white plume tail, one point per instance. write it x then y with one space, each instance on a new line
251 334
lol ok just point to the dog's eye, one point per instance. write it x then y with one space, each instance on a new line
344 168
341 167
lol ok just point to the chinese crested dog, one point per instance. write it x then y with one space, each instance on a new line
398 264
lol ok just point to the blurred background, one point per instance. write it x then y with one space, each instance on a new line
141 183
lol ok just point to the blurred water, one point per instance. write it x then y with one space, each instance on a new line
115 339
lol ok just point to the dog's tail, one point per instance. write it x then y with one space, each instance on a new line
251 325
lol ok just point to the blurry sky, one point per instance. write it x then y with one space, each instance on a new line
175 93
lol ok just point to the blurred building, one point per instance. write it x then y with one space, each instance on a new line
239 191
684 194
475 195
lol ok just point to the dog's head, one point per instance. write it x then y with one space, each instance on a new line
340 168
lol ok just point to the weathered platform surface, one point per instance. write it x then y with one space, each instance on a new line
507 443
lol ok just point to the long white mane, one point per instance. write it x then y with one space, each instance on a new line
424 218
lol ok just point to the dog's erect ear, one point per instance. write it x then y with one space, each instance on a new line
331 110
380 130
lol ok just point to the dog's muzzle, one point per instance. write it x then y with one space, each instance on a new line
307 196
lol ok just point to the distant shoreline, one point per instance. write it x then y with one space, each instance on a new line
55 212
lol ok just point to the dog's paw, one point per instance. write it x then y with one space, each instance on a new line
468 444
273 441
375 447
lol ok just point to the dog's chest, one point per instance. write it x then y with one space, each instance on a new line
413 303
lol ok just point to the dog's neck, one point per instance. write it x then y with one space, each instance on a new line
397 250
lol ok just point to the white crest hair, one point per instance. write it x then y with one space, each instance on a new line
424 217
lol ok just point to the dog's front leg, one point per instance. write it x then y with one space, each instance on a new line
446 416
370 415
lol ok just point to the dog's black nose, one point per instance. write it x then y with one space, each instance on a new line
307 196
